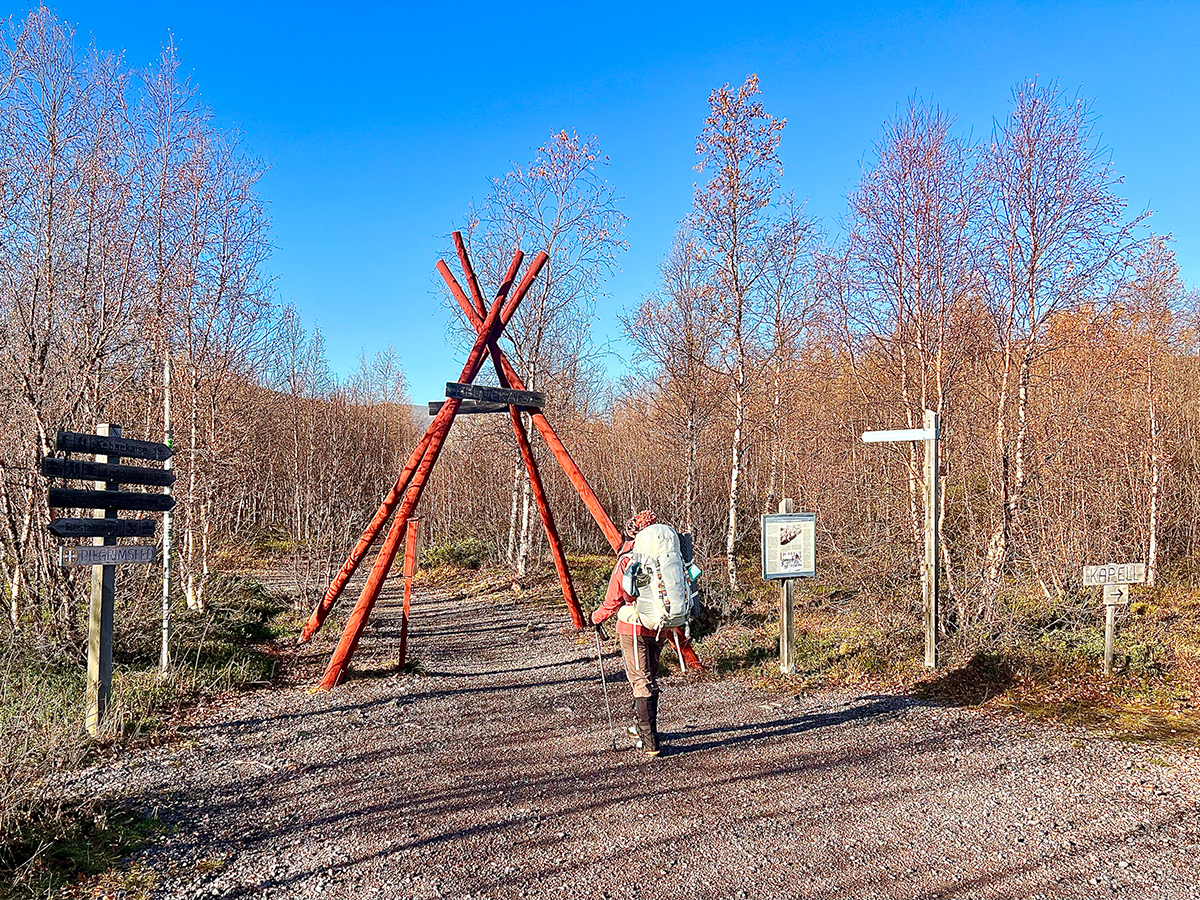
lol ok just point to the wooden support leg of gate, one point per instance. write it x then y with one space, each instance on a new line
572 471
539 495
319 614
340 661
475 361
410 569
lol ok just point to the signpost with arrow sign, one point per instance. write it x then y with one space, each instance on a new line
1115 578
928 435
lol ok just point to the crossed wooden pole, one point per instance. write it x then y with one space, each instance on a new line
489 324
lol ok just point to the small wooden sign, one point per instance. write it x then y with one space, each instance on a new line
74 442
494 394
77 528
61 467
88 555
1116 594
1114 573
69 498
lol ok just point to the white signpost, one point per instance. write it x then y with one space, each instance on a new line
1115 578
929 435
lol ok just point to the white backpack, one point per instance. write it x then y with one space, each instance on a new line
657 575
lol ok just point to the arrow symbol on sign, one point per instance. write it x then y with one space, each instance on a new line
1116 593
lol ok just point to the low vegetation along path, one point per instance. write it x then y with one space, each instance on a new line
492 774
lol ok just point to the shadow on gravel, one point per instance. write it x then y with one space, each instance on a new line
876 706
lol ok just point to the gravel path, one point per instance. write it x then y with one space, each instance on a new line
492 775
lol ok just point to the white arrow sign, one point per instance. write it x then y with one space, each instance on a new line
902 434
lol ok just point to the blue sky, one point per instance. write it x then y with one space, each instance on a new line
382 123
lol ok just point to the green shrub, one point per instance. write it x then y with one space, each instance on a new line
461 552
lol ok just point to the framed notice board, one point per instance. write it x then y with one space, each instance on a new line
789 545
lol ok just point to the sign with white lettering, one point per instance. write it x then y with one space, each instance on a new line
137 554
1114 573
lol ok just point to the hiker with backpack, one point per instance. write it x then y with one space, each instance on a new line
651 592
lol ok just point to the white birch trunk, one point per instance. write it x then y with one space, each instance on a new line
164 658
511 556
1152 524
735 476
523 556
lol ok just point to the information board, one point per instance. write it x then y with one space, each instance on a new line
789 545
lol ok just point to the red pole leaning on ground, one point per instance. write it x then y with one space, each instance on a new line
590 500
410 569
387 553
535 479
321 611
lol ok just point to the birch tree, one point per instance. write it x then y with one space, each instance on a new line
677 330
915 310
733 218
559 203
1057 235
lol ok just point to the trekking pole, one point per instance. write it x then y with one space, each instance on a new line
600 662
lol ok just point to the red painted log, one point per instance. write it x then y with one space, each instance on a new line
346 572
469 273
340 661
344 652
539 496
317 619
573 472
410 569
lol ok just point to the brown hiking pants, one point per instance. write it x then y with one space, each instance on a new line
641 653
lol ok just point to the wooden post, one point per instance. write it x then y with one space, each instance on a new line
930 581
1110 624
410 569
787 638
100 613
543 506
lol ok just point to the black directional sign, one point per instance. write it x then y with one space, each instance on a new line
494 394
469 407
73 442
77 528
67 498
60 467
107 556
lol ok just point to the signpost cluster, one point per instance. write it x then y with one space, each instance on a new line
106 499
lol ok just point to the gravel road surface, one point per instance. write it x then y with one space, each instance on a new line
492 775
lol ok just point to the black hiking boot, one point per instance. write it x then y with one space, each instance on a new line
654 718
647 739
